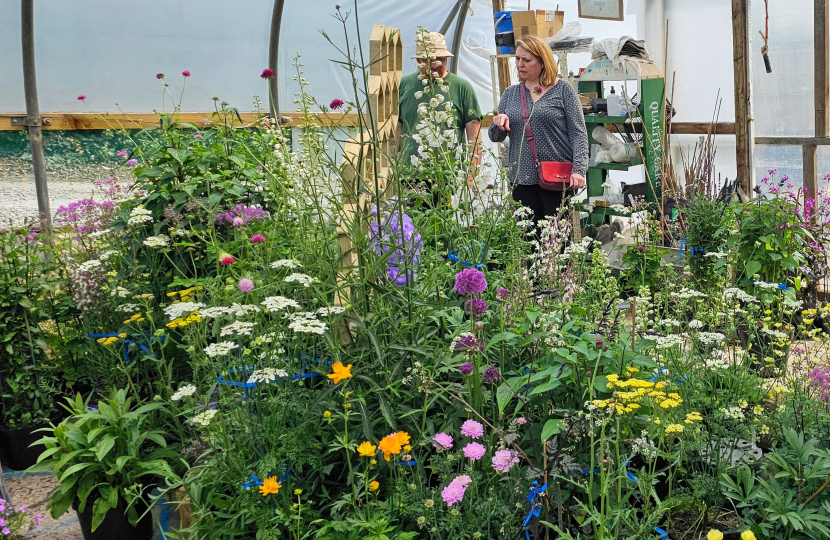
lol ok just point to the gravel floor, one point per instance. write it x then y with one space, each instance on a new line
33 492
18 197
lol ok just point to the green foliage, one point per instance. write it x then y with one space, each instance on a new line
104 455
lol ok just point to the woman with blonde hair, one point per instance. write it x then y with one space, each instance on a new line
551 128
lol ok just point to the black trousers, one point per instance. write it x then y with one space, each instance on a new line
543 202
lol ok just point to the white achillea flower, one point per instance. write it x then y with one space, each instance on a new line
120 292
710 338
220 349
174 311
107 254
286 263
685 293
765 285
733 293
240 310
128 308
237 328
333 310
278 303
89 265
670 322
139 215
213 312
266 375
203 418
184 391
774 333
667 342
302 279
695 324
718 360
306 322
717 254
161 240
98 234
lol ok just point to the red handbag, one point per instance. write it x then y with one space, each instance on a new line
553 175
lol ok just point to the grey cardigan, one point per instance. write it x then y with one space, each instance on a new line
558 128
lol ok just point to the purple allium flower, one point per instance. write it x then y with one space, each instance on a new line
491 374
502 294
401 242
474 451
503 460
122 154
186 73
131 162
475 305
246 285
521 420
466 369
268 74
336 104
198 136
469 282
467 342
453 493
472 429
443 441
258 239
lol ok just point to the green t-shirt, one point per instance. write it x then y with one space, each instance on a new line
465 109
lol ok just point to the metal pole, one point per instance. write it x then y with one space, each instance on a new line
273 59
456 39
33 120
450 17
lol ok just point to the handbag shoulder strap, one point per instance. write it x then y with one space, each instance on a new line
531 142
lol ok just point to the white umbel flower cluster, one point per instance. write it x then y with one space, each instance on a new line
302 279
266 375
161 240
305 322
278 303
203 418
220 349
139 215
286 263
184 391
237 328
174 311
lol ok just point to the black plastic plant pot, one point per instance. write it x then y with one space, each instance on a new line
15 445
116 524
727 535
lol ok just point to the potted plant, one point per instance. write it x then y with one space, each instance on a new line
107 461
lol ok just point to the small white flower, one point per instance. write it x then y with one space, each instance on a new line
174 311
128 308
139 214
184 391
213 312
89 265
203 418
419 94
237 328
120 292
434 102
710 338
266 375
220 349
302 279
278 303
98 234
333 310
286 263
161 240
107 254
240 310
694 324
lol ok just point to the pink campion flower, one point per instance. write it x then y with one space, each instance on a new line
81 97
132 162
474 451
443 441
186 73
503 460
268 74
122 154
246 285
336 104
472 429
227 260
258 239
198 136
159 75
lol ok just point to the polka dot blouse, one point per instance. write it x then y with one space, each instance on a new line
558 127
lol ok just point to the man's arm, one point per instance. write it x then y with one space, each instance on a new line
473 130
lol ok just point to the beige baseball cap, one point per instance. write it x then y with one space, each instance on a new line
435 43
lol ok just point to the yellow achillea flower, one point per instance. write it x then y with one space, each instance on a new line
670 403
693 417
367 449
374 485
674 428
270 485
340 372
135 318
180 322
107 341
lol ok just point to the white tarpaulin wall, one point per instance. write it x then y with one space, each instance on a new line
110 50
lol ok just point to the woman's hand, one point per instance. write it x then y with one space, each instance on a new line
577 181
502 122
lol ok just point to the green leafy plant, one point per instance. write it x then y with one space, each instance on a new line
105 455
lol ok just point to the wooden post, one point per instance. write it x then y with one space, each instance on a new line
742 121
822 88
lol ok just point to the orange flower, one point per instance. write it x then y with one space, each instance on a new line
392 444
367 449
340 372
270 485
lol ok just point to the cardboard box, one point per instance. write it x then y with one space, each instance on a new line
541 22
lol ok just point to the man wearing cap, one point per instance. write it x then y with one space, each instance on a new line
459 92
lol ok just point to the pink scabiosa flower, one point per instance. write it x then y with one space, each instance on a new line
238 221
469 282
454 492
198 136
474 451
336 104
521 420
258 239
442 441
122 154
226 260
81 97
267 74
159 75
186 73
246 285
503 460
472 429
131 162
